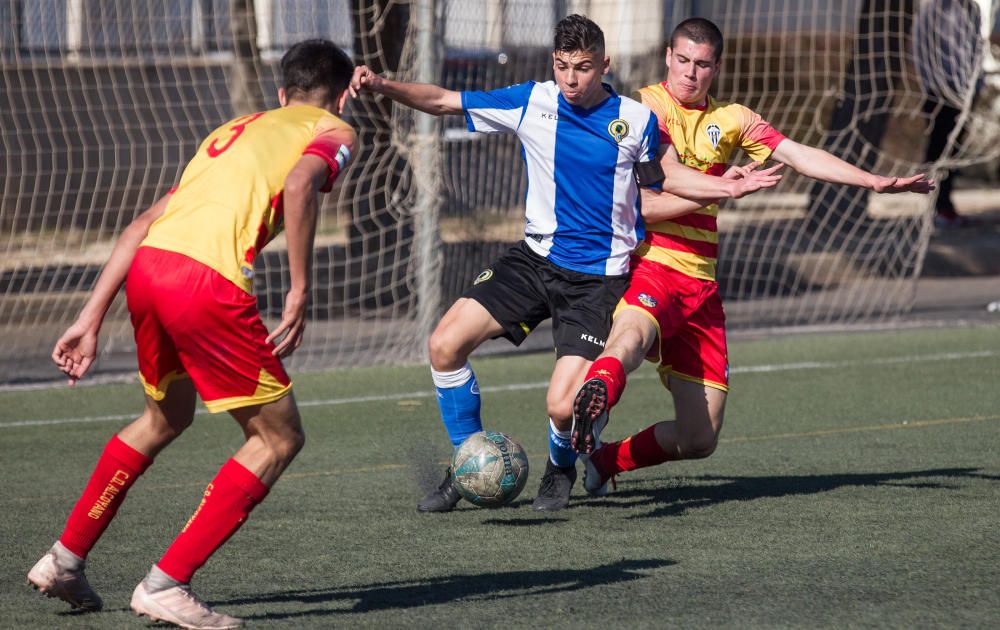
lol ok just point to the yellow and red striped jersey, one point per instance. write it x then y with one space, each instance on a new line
704 138
228 203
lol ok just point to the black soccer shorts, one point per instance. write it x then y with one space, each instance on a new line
522 289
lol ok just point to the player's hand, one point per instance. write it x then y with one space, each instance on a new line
891 185
75 351
288 335
751 180
364 80
740 172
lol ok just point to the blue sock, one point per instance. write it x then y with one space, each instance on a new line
458 398
560 449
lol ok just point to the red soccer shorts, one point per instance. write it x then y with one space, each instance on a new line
190 321
689 320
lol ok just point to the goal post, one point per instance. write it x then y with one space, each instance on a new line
103 102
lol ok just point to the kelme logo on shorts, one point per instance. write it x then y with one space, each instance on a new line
714 134
618 129
647 300
484 276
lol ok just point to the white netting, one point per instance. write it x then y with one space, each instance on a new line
103 101
842 76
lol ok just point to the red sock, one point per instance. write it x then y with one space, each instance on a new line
117 469
637 451
611 371
227 502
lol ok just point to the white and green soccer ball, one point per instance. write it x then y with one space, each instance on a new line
489 469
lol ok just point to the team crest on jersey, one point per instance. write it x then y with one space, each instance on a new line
618 129
483 277
247 271
714 134
647 300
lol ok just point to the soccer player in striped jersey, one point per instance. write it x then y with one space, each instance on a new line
581 143
672 312
188 261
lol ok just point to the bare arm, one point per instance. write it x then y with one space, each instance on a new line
819 164
686 189
76 349
690 183
421 96
300 198
661 206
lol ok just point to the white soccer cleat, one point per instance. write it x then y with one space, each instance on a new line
594 481
52 576
179 606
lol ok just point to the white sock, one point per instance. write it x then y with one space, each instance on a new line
67 558
157 580
454 378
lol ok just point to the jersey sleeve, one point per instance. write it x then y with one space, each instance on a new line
757 137
334 141
496 111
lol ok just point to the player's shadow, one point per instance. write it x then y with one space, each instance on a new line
524 522
708 490
442 590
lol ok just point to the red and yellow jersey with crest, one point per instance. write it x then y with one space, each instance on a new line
705 138
228 204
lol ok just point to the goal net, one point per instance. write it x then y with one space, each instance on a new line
103 102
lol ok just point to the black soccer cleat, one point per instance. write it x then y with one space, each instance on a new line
444 498
590 416
553 492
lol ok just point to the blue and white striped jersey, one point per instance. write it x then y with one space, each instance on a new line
582 202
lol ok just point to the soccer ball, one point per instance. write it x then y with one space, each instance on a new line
489 469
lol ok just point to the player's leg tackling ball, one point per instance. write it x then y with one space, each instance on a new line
489 469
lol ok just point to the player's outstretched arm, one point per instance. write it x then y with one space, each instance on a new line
662 206
425 97
690 183
76 349
824 166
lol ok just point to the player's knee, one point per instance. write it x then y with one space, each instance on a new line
279 431
561 411
700 449
699 445
282 446
289 439
176 426
166 427
291 444
444 353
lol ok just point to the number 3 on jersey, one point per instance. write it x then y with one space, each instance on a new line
237 130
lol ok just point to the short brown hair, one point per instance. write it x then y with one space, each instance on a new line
700 31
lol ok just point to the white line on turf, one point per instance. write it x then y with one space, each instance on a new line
746 369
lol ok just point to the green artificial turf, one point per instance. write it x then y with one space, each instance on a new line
857 484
